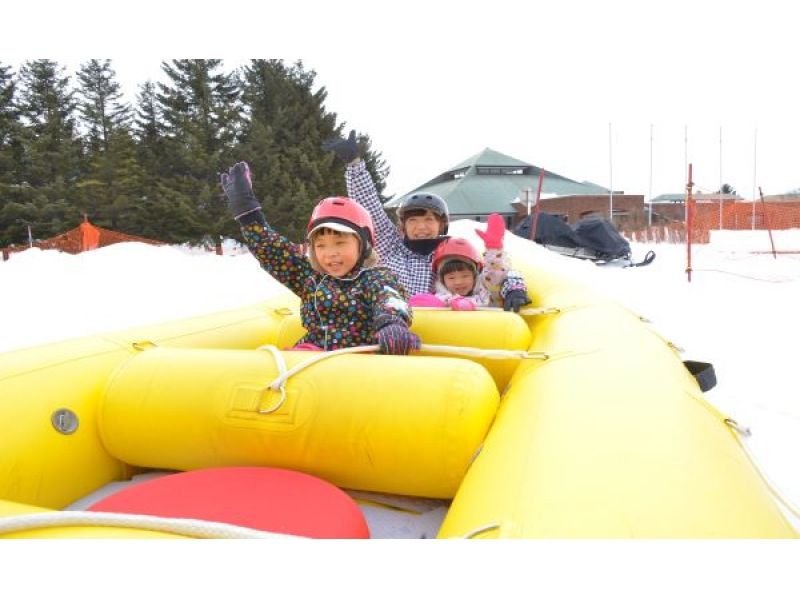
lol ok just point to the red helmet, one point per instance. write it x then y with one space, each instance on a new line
456 248
345 213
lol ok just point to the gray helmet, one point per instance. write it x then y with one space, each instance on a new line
425 201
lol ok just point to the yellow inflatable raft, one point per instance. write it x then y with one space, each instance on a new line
577 421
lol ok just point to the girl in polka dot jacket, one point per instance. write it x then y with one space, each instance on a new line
346 301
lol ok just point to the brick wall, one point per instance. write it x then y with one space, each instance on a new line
664 213
628 209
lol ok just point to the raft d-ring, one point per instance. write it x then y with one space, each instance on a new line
283 311
282 389
742 430
143 345
675 347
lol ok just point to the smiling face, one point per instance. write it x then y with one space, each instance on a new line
336 252
422 224
459 278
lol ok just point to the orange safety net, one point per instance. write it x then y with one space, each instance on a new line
90 236
84 237
725 215
775 215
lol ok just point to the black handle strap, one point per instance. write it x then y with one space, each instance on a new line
704 374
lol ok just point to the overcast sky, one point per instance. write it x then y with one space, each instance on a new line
572 86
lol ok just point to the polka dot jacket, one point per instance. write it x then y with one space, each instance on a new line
336 312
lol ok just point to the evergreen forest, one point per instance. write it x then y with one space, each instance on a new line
71 146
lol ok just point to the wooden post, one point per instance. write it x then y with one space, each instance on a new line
535 215
766 223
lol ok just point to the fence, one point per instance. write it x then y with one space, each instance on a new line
84 237
727 215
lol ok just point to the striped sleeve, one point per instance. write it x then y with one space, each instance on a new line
361 188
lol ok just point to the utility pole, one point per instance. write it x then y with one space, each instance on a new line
610 179
650 188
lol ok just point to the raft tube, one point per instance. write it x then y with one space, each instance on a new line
359 421
609 436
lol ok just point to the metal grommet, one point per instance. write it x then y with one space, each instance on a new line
64 421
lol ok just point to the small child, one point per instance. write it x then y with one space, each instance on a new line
346 300
465 279
407 247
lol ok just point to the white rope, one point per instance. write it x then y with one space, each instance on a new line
485 353
525 311
279 383
281 363
742 433
480 530
193 528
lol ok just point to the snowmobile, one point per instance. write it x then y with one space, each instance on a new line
592 238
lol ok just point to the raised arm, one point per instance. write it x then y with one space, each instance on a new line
498 277
280 257
361 188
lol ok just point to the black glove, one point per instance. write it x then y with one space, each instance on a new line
239 190
397 339
515 299
346 149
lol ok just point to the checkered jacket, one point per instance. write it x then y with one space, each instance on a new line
413 270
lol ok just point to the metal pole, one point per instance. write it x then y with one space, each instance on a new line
650 187
689 225
30 237
610 179
685 165
720 177
755 147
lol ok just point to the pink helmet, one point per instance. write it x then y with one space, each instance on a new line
345 215
456 248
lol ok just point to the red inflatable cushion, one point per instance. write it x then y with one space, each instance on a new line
263 498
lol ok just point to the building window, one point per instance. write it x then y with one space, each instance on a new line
501 170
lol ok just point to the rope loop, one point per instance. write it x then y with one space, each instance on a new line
279 383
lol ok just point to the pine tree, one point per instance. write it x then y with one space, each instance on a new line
200 111
111 174
100 103
9 152
727 189
149 131
282 141
9 125
51 149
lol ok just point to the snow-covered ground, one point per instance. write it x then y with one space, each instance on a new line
740 312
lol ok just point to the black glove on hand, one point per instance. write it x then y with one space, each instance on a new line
515 299
239 190
397 339
346 149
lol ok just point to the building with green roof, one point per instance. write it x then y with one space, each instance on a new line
490 181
